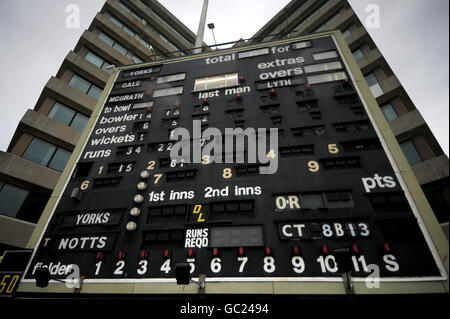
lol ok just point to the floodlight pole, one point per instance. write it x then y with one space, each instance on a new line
201 28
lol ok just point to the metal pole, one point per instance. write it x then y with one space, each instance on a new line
215 42
201 28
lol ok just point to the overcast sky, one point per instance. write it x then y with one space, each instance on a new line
413 36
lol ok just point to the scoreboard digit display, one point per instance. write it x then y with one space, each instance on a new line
313 192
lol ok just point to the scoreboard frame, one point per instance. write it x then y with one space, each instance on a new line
432 231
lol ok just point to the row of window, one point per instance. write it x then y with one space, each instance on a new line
85 86
68 116
116 45
47 154
20 203
134 14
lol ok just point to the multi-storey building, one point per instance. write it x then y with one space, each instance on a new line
425 155
122 33
133 31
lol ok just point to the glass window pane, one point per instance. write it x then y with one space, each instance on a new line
120 48
94 59
60 160
79 83
79 122
136 59
106 39
389 112
129 31
358 54
346 33
39 151
376 90
411 153
61 113
104 68
125 7
116 22
371 79
12 199
95 92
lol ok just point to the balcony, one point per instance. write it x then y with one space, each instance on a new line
33 176
86 69
432 170
407 122
67 95
90 39
370 60
48 129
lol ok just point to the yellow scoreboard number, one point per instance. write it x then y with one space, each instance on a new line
8 283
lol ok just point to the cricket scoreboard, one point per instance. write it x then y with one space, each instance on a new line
339 199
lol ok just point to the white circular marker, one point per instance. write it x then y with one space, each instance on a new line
141 186
131 226
145 174
135 212
138 199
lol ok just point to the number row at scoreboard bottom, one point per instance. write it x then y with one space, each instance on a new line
327 263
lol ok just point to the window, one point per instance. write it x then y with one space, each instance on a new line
79 122
357 54
12 199
323 67
137 60
328 22
411 153
122 26
127 9
146 44
312 14
85 86
111 42
163 37
329 77
67 116
59 160
46 154
253 53
216 82
389 112
98 61
168 92
325 55
39 152
374 86
346 33
171 78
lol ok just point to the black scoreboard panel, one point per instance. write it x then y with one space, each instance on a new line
130 211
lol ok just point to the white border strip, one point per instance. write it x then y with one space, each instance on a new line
428 239
68 179
248 279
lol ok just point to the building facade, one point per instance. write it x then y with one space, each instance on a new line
422 150
122 33
132 31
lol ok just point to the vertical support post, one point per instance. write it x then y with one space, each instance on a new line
201 28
